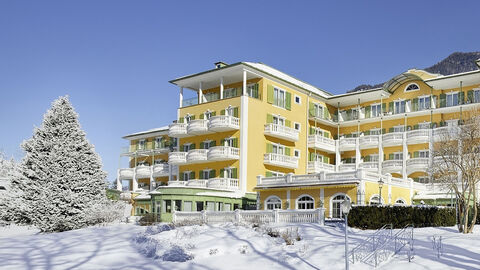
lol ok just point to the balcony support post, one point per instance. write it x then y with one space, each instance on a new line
119 181
288 200
244 88
338 158
221 87
389 185
200 93
405 154
357 152
380 152
181 97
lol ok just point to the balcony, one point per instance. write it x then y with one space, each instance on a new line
197 155
392 139
347 144
142 172
370 166
217 153
198 127
223 183
176 158
160 170
280 160
318 166
445 133
223 123
126 173
321 143
177 130
347 167
392 166
281 132
417 165
201 183
369 141
418 136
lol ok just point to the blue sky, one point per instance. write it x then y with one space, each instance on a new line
115 58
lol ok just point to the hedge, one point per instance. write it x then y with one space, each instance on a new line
374 217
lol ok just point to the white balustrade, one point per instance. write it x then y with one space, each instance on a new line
280 160
177 157
197 127
418 136
197 183
417 165
223 153
347 167
370 165
223 183
318 166
223 123
197 155
126 173
142 172
392 166
282 132
322 143
347 144
369 141
177 130
394 138
446 133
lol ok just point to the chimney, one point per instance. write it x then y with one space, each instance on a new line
220 64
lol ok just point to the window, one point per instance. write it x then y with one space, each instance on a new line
167 206
188 118
422 179
141 145
230 92
187 206
423 103
425 125
297 126
278 149
229 142
305 202
399 129
318 110
296 152
279 97
227 207
279 120
298 100
412 87
355 114
399 106
207 115
159 142
219 206
423 154
210 206
207 144
337 205
476 96
373 158
199 206
159 161
187 147
273 203
375 131
400 202
252 90
205 174
178 205
142 163
212 96
374 200
230 111
452 99
274 174
398 156
186 176
376 110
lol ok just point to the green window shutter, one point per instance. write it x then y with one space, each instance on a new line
311 109
367 133
288 101
415 104
311 156
222 173
326 134
443 100
461 98
368 110
181 120
269 118
222 112
470 96
235 112
202 145
213 143
288 123
390 156
390 130
222 142
384 107
384 131
415 127
269 148
366 158
235 142
416 154
311 130
325 159
193 117
234 173
287 151
211 174
268 174
200 176
192 175
255 91
192 146
326 113
201 116
390 106
214 113
270 94
181 176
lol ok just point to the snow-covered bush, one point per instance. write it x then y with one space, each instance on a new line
107 211
176 254
61 175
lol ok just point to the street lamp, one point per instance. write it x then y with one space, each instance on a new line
346 206
380 185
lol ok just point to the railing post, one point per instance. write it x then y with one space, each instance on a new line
259 179
321 216
237 215
174 216
289 177
275 216
204 216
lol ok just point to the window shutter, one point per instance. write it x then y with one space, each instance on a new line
368 110
222 142
366 158
193 117
311 156
415 105
443 100
325 159
181 120
269 118
222 173
461 98
390 106
326 113
201 116
270 94
222 112
234 173
192 175
390 130
202 145
415 154
311 130
415 127
235 112
181 176
384 131
390 156
311 109
201 175
287 151
269 148
192 146
235 142
214 113
213 143
255 90
288 101
326 134
268 174
409 154
367 133
288 123
470 96
211 174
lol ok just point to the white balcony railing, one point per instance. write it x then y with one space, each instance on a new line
417 165
177 157
418 136
318 166
223 183
223 123
369 141
321 143
280 160
370 165
347 167
282 132
223 153
394 138
160 170
197 183
390 166
177 130
142 171
126 173
197 155
347 144
445 133
198 127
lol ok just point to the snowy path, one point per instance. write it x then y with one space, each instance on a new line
220 247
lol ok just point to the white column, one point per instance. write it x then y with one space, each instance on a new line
338 158
170 173
221 87
200 94
389 184
244 90
134 180
405 154
243 143
181 97
358 155
322 196
288 200
119 181
380 151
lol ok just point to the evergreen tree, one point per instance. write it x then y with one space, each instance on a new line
63 181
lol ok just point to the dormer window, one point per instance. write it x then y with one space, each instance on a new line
412 87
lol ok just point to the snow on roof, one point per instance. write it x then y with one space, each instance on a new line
153 130
277 73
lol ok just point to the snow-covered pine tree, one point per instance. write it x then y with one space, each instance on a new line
63 180
11 205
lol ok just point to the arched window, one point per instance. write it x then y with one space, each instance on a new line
337 205
412 87
305 202
400 201
374 200
273 202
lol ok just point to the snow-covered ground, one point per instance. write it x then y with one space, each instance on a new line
126 246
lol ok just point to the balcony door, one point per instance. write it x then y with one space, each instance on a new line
278 121
278 149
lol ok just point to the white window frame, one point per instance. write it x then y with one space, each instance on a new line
206 171
188 145
425 153
318 110
399 127
277 174
279 97
298 202
412 90
398 105
451 95
377 131
375 200
250 89
374 157
207 143
228 141
398 156
142 144
279 120
276 147
425 103
207 115
403 201
227 172
378 110
424 125
299 99
229 92
275 205
186 175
